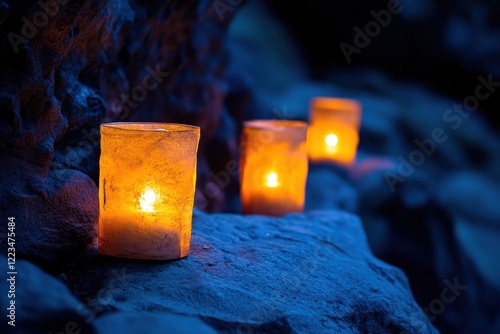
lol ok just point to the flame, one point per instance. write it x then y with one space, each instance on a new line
272 180
331 140
148 199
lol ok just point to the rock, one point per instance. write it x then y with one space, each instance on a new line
88 62
379 124
472 195
255 49
55 217
300 273
368 178
478 242
125 323
472 199
327 188
427 231
42 304
292 100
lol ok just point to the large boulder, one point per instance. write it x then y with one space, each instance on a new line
38 303
472 200
300 273
440 254
55 218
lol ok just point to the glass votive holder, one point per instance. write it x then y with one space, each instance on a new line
273 167
333 133
146 189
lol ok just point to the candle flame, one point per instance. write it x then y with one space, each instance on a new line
331 140
272 180
148 199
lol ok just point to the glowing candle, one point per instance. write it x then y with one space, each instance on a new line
273 167
333 133
146 189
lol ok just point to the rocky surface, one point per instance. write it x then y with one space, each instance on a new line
471 198
45 305
41 303
55 217
67 66
439 221
328 187
309 273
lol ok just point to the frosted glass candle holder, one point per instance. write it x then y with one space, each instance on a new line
333 133
273 167
146 189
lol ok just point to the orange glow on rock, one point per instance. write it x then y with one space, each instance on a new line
333 132
273 167
146 189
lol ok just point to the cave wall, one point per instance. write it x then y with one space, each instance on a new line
68 65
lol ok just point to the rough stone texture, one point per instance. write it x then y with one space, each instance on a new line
440 223
89 62
311 273
426 248
54 216
126 323
43 304
472 201
328 188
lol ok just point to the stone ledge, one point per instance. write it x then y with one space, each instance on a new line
301 273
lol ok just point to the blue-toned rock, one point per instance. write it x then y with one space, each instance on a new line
302 273
43 304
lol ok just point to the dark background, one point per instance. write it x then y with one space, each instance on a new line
443 44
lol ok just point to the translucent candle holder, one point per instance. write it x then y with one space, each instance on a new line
333 133
273 167
146 189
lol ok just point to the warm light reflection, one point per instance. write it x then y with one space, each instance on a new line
273 167
331 140
148 200
147 179
272 180
333 131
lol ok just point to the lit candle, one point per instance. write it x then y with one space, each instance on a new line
333 133
273 167
146 189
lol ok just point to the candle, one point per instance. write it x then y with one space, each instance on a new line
273 167
333 133
146 189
